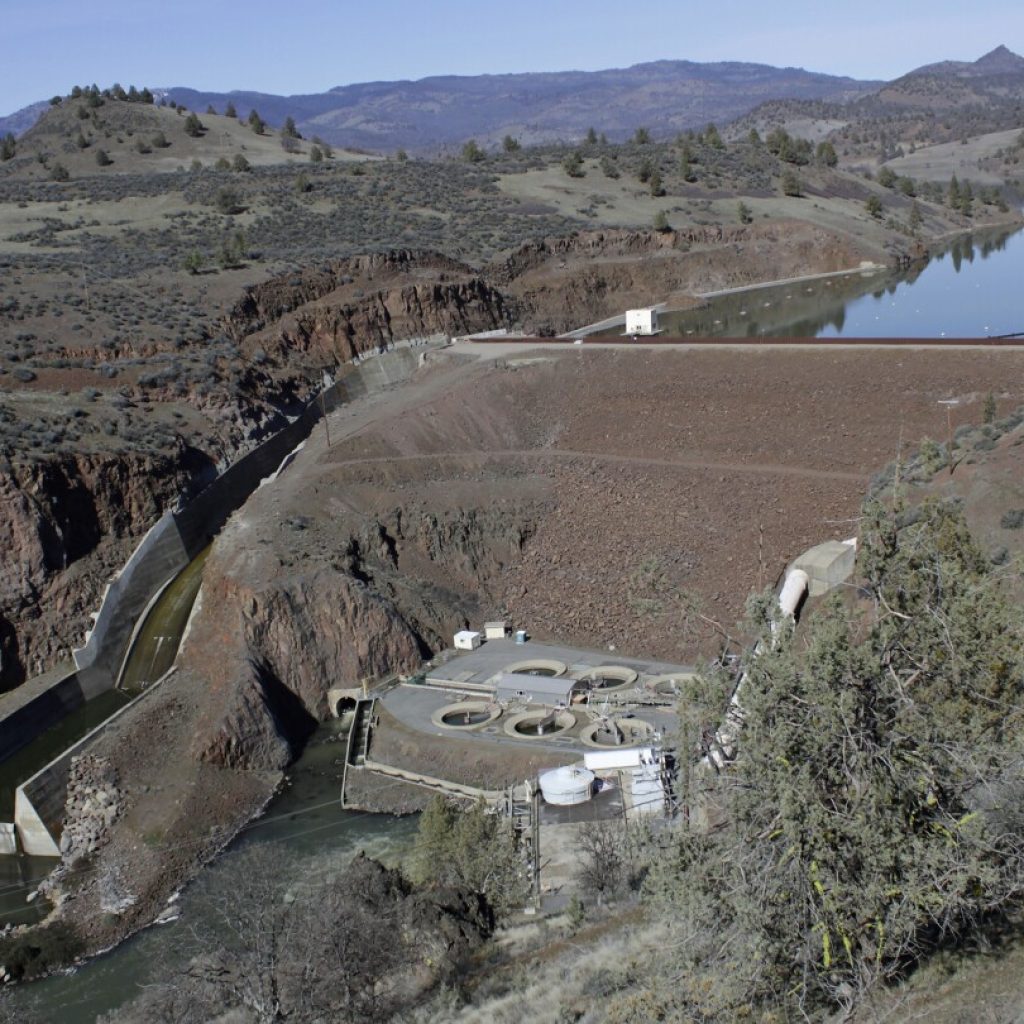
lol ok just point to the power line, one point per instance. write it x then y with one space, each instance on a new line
349 817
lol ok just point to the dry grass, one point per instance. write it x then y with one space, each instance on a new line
967 160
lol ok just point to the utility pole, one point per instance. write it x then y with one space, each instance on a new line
760 555
949 436
949 403
327 381
85 286
323 412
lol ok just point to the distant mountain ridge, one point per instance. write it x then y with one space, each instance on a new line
21 120
441 112
995 79
444 111
1000 61
431 113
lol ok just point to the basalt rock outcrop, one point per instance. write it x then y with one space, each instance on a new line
66 522
356 305
560 283
270 655
272 639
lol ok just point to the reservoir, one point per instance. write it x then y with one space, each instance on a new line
969 289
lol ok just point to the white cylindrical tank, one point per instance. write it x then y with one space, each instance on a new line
566 786
793 591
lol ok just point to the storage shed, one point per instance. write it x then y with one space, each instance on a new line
546 691
642 321
496 630
467 640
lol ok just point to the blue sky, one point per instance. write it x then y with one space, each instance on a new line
292 46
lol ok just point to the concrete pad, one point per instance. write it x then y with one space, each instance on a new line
480 669
827 565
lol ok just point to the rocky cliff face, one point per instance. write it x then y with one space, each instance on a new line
561 283
272 640
356 305
67 521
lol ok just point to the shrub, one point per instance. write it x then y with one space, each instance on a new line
228 200
933 458
34 952
1013 519
193 126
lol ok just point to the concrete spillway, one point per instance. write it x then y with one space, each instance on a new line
156 642
152 653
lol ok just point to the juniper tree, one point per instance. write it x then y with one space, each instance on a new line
873 809
472 849
825 154
790 184
472 153
573 164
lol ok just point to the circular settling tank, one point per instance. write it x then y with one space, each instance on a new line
539 724
669 686
469 714
617 732
537 667
610 677
567 786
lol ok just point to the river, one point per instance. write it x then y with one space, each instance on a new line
968 289
306 819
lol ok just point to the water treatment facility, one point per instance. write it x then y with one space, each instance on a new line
552 736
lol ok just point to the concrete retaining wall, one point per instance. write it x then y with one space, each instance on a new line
167 548
36 705
39 802
179 536
160 556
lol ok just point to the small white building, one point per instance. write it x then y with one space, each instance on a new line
496 630
467 640
642 321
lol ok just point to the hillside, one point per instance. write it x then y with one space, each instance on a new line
665 96
939 103
117 137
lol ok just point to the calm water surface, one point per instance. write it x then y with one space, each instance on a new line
972 289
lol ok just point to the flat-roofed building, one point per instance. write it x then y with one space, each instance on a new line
545 691
642 321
